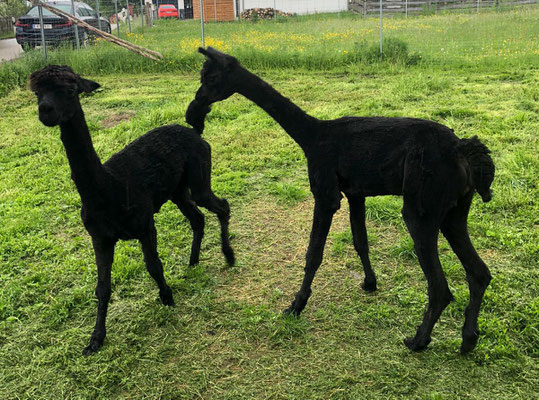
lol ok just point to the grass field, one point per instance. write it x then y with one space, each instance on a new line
478 41
7 35
226 337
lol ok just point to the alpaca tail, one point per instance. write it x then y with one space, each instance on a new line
481 165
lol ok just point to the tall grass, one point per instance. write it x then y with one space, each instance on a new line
483 40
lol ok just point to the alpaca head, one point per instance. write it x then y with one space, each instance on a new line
57 89
217 83
216 77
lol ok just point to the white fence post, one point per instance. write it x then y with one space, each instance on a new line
76 26
381 31
42 31
128 17
98 15
142 14
117 19
202 22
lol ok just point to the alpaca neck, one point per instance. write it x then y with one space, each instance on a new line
293 119
86 169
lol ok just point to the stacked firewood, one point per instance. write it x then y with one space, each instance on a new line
262 13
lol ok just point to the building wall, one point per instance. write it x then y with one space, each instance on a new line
225 10
297 6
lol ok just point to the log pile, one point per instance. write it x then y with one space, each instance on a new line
262 13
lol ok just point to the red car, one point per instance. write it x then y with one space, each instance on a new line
167 11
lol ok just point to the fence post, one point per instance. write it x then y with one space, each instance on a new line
128 16
215 10
42 30
381 34
148 14
142 14
406 8
76 26
98 15
202 22
117 19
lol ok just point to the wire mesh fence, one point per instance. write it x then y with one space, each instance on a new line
42 27
307 33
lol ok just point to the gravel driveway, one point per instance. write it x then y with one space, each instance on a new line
9 49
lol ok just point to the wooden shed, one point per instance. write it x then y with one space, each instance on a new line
215 10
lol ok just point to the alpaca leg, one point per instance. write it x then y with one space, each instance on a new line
323 216
220 207
425 236
455 229
104 255
361 244
188 208
154 266
200 184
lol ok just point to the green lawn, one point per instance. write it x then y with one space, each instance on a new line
226 337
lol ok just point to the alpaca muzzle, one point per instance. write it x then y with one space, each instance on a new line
486 196
196 114
48 115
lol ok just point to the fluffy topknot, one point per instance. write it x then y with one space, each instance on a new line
52 74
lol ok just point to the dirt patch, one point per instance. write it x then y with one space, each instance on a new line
274 239
115 119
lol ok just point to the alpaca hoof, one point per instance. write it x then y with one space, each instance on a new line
169 302
369 286
229 256
468 343
166 297
466 347
295 308
94 345
416 344
292 311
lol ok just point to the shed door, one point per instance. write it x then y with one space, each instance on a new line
188 9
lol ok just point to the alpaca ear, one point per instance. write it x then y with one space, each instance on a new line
215 55
203 51
86 85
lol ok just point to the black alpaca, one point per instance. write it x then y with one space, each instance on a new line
120 197
435 172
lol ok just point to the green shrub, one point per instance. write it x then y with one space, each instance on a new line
394 51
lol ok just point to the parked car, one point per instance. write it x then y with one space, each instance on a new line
167 11
57 29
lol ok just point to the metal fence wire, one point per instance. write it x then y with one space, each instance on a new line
39 27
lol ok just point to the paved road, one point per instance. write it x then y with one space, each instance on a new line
9 49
